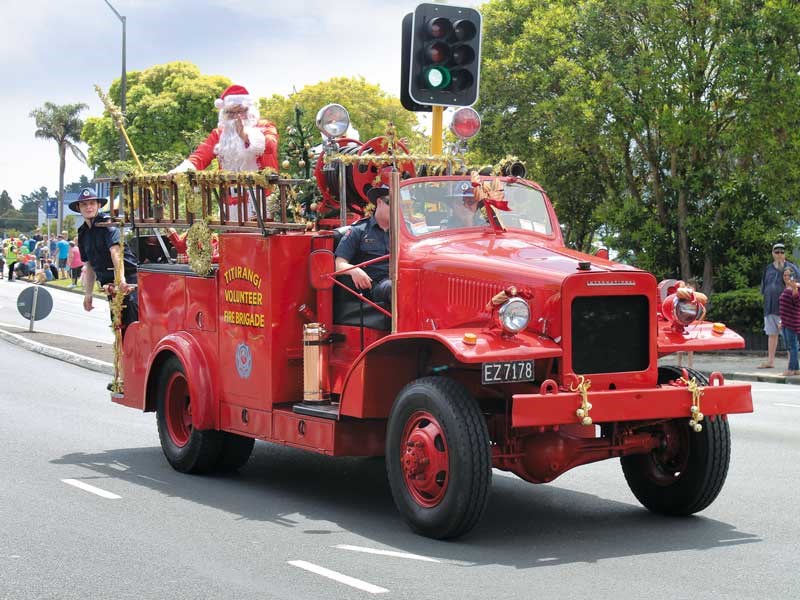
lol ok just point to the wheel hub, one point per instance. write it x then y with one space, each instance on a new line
425 459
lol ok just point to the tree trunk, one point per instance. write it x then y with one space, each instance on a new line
683 236
708 274
62 152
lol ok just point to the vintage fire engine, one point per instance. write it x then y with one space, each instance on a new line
502 348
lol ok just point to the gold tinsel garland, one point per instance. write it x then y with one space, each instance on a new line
380 160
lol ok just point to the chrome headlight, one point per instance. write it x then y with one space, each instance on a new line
513 316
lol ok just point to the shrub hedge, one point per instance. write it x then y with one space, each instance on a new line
741 310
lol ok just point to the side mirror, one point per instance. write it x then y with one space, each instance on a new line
321 263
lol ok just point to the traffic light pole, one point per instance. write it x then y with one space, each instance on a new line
436 130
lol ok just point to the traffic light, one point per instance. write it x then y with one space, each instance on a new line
445 55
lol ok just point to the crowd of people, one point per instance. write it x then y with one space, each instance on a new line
39 258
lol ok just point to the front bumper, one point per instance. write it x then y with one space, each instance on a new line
608 406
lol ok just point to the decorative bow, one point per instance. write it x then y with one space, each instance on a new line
491 193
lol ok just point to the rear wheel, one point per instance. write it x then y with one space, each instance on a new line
438 457
687 473
236 450
187 449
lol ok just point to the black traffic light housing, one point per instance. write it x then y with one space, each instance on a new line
445 55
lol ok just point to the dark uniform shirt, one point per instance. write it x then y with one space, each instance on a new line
364 241
94 244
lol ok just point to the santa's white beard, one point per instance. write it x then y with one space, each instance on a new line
231 150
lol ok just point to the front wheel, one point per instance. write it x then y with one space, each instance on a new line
438 458
687 473
187 449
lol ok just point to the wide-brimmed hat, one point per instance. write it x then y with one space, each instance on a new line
380 191
86 194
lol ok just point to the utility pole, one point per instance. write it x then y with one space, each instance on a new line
123 149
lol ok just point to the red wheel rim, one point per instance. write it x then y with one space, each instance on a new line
667 464
425 459
178 410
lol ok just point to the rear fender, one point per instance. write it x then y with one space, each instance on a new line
382 369
195 366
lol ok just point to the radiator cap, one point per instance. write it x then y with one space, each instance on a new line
584 265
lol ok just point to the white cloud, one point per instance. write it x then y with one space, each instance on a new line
56 51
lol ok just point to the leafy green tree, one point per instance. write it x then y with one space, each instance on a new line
5 202
77 186
370 109
170 109
62 125
660 119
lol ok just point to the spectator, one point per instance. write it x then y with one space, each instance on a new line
790 318
74 262
63 254
11 258
52 245
771 288
49 266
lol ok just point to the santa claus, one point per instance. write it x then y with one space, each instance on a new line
240 142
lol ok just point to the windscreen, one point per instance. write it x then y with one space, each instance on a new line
433 206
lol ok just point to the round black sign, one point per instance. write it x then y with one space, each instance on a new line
44 303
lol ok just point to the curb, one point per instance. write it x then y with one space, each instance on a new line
760 378
100 366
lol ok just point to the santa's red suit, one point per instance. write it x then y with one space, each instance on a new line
261 151
241 142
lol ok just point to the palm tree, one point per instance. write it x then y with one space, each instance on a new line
61 124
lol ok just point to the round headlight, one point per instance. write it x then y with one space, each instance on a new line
333 120
514 315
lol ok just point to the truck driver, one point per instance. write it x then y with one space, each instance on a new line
365 240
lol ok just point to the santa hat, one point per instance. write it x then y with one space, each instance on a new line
234 95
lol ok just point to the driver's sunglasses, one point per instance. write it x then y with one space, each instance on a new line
778 252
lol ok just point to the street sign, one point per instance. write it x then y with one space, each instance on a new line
51 209
36 301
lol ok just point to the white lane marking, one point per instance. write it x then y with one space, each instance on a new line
789 405
345 579
386 553
90 488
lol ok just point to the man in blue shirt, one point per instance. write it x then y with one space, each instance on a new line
771 288
63 253
368 239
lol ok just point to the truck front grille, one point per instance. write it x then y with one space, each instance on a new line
610 334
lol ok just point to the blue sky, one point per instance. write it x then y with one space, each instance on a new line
57 51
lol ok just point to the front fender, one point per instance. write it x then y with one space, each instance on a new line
382 369
698 337
195 366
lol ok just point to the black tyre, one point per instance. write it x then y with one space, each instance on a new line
187 449
687 474
438 457
236 450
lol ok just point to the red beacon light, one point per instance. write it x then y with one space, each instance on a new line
466 123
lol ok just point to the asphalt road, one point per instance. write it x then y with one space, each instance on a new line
66 318
272 530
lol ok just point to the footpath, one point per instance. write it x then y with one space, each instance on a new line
99 357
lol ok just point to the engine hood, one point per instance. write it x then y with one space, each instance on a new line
460 274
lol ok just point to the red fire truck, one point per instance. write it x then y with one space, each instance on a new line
502 348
